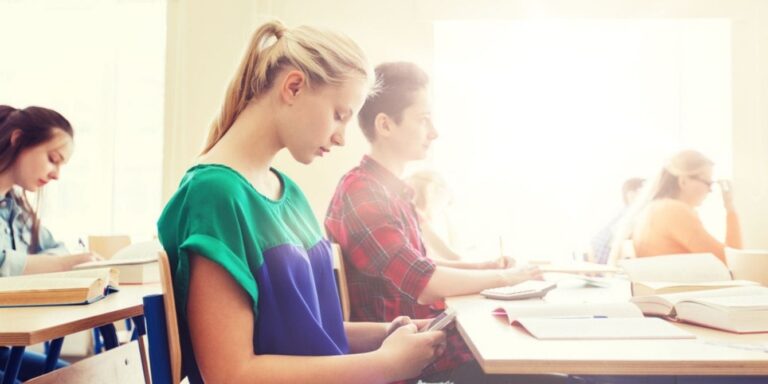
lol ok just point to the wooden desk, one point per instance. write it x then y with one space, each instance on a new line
502 348
22 327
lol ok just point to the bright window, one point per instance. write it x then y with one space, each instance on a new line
541 121
100 64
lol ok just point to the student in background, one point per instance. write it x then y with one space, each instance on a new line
373 219
603 240
253 279
431 197
35 143
666 220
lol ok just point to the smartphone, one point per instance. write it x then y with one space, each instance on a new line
442 320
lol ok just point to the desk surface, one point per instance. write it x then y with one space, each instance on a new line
502 348
32 325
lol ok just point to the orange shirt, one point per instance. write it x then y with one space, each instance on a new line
669 226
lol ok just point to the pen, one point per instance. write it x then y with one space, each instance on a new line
81 243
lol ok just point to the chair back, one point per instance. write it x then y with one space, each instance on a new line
746 264
163 330
341 279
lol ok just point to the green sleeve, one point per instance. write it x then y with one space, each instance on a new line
208 218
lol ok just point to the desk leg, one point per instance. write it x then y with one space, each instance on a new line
54 350
13 365
109 332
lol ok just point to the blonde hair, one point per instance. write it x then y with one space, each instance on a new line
326 58
420 181
666 185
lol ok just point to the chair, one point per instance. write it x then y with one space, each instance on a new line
121 365
341 279
748 264
163 330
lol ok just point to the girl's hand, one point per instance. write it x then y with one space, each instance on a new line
504 262
406 351
69 261
397 323
726 189
514 276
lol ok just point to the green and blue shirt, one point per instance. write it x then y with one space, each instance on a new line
273 249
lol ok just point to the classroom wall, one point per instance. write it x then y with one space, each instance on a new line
206 39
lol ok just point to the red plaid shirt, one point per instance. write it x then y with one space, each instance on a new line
371 216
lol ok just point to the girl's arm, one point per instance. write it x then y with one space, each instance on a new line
221 328
436 244
444 256
365 337
43 262
446 282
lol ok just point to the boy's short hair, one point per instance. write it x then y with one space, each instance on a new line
396 83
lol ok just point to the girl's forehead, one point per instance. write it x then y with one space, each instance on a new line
61 142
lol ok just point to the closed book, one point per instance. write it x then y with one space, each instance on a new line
58 288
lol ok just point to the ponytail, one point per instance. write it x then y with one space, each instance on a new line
324 57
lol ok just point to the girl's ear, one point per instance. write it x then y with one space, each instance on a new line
293 83
382 124
15 135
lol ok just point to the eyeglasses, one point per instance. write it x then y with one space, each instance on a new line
708 183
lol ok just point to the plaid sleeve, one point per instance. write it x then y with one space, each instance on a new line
379 242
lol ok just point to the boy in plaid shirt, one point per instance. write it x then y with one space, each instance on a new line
373 219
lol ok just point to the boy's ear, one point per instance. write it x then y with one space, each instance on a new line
292 85
383 125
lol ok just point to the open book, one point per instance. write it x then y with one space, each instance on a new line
589 321
735 309
132 271
58 288
679 273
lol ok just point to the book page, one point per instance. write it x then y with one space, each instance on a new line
599 328
140 250
44 284
98 273
664 304
687 268
551 310
734 303
641 288
115 262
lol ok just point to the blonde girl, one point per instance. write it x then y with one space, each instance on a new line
253 279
